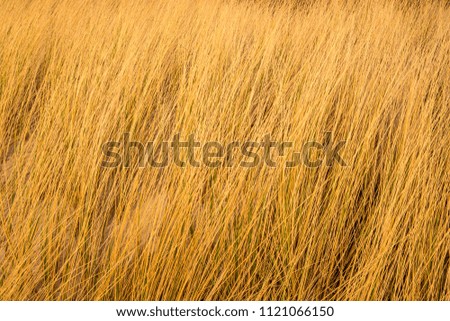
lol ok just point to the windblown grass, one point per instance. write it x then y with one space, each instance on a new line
75 74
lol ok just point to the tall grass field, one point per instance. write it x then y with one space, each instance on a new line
77 74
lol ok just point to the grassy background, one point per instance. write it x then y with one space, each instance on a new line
75 74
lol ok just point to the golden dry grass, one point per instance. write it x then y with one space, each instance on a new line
75 74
